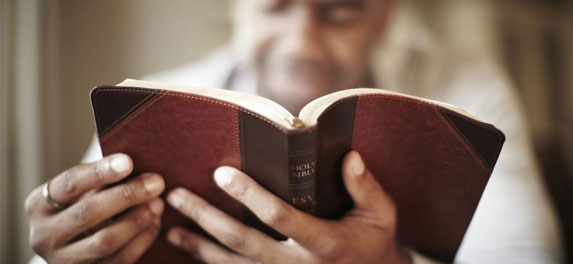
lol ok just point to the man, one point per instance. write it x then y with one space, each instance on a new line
293 51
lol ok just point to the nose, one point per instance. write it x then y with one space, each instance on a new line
305 39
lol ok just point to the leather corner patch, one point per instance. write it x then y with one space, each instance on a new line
485 139
112 104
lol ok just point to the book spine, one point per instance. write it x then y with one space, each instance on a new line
302 170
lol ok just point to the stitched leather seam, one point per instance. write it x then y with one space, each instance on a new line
242 158
237 139
242 135
466 139
463 140
352 123
216 101
483 125
131 117
119 120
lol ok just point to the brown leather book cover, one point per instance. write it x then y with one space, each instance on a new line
433 159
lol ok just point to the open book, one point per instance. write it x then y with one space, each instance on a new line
432 158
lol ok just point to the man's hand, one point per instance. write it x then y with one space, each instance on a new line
84 231
365 235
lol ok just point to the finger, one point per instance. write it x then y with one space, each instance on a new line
96 208
272 210
202 249
136 247
233 234
369 198
111 238
70 184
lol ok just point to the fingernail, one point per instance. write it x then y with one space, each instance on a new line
120 163
176 199
358 167
156 206
174 237
223 176
153 183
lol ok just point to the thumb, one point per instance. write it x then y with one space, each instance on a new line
365 191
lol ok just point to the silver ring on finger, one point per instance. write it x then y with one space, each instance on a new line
51 202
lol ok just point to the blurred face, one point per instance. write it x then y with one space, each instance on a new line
302 49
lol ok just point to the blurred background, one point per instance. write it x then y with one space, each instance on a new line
53 52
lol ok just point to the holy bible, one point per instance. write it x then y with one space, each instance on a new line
432 158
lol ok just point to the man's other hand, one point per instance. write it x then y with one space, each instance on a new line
366 234
98 223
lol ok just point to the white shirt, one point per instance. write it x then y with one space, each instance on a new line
515 221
